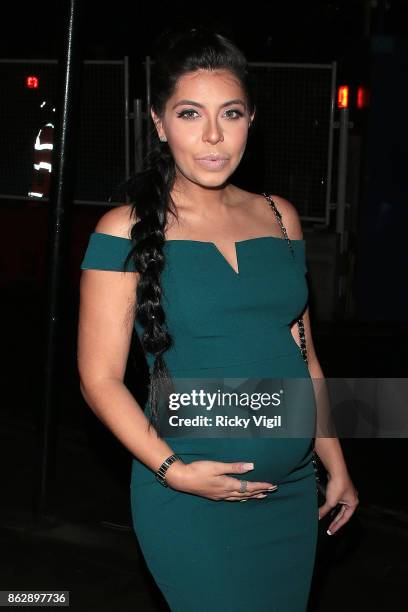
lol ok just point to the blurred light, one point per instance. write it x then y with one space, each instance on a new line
32 82
363 97
43 166
343 96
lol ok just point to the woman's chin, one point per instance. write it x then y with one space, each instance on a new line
212 179
212 183
207 178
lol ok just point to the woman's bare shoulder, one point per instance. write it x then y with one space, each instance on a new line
257 204
290 216
118 221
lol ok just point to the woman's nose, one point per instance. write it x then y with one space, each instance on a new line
213 132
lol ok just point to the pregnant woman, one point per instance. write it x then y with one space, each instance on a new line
200 269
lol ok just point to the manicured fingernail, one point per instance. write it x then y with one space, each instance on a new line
262 495
273 488
248 466
329 532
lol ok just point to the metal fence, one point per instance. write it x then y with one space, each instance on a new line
103 139
294 130
295 104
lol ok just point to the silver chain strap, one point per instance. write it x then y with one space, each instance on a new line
299 321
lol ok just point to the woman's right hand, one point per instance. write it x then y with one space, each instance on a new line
208 479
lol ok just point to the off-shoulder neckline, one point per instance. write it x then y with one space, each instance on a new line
206 241
237 245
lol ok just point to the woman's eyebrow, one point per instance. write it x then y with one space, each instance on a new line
192 103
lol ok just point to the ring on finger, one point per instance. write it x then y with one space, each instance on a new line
243 486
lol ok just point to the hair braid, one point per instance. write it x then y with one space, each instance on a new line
148 238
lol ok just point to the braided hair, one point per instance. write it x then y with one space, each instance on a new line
150 190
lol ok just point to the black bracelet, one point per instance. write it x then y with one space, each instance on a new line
161 472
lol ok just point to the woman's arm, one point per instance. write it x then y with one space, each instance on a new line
106 318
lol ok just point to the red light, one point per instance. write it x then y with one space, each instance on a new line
32 82
343 96
363 97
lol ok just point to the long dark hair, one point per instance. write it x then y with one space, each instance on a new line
150 190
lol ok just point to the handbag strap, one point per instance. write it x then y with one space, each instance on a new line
320 486
299 321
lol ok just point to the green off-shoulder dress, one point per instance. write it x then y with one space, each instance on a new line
228 556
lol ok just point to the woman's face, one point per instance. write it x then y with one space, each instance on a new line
206 116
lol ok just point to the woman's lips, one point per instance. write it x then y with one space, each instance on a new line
213 164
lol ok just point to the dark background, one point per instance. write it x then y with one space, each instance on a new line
369 41
274 31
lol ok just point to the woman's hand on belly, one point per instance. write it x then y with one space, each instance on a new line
208 479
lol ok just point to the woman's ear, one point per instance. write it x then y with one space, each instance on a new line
159 125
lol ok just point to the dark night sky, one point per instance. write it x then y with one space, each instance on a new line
286 30
317 30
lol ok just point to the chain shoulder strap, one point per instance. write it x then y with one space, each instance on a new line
299 321
320 486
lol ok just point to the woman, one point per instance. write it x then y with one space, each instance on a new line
200 268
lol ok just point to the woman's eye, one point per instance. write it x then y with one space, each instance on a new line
237 113
186 113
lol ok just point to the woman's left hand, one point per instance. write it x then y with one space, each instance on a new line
339 490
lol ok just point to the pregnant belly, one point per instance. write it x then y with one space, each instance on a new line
275 460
